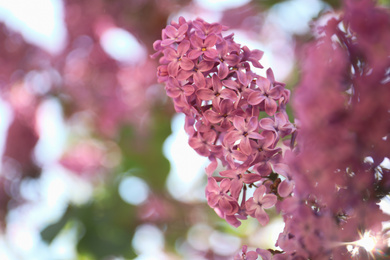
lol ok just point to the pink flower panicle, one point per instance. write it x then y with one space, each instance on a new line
233 115
343 106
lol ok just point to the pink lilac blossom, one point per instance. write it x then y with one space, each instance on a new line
343 106
211 88
255 206
246 255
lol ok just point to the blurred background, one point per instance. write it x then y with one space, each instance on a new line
94 161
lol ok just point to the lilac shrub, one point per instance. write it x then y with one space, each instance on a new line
327 187
234 116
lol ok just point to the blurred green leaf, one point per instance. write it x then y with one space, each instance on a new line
145 154
50 232
109 225
268 3
271 3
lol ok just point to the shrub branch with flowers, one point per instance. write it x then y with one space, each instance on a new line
328 186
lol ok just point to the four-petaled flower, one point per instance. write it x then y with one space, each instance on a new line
280 125
175 89
197 73
243 132
177 59
251 255
204 143
204 47
255 206
172 35
217 92
222 114
225 59
267 94
239 176
218 197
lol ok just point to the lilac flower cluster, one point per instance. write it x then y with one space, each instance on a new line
234 116
343 106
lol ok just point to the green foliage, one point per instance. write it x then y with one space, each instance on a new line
145 153
268 3
107 223
384 2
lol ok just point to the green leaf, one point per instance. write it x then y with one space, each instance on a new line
50 232
145 153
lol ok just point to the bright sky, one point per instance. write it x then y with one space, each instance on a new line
38 20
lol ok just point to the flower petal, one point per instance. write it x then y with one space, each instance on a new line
267 124
173 68
239 123
259 193
251 255
210 40
205 94
270 106
182 29
199 79
194 54
232 137
235 188
225 206
167 42
269 200
245 146
255 98
228 94
170 54
285 188
213 116
183 48
170 31
232 220
251 178
223 70
212 199
261 216
265 254
196 42
186 63
188 90
252 124
211 54
225 185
